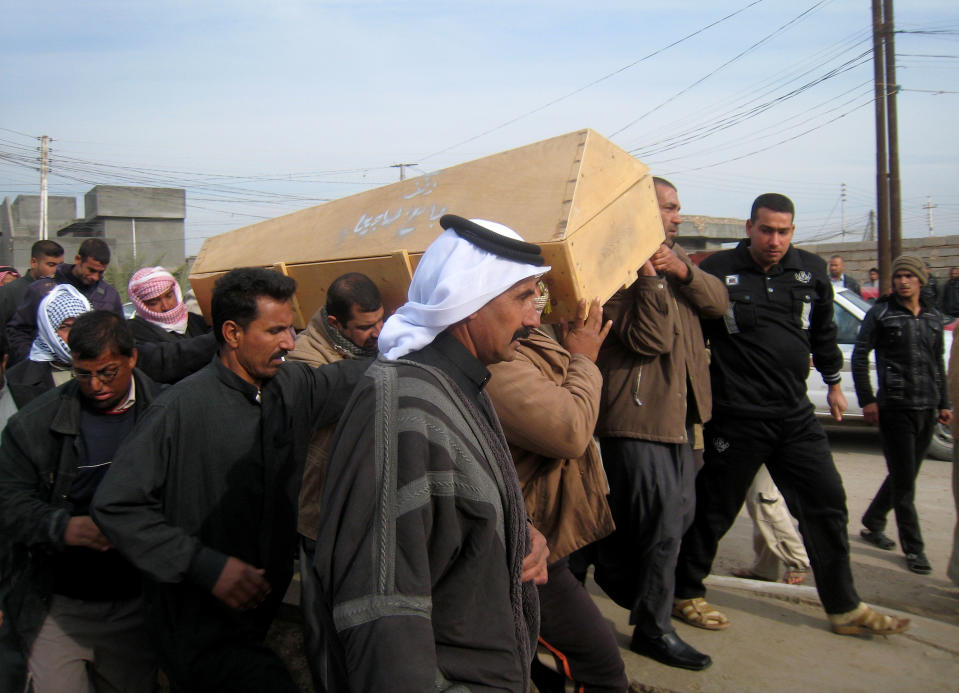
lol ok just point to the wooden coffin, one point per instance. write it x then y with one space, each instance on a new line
589 204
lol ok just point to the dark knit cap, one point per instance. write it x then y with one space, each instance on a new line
912 264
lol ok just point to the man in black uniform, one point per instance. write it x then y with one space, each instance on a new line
780 311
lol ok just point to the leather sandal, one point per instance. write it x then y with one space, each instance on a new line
700 613
794 576
878 539
866 621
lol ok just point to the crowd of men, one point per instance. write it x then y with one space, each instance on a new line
436 471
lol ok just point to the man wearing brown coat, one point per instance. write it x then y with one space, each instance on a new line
656 387
547 400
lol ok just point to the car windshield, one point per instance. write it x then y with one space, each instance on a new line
856 300
847 325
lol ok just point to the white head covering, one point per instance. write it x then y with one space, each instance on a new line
453 280
63 302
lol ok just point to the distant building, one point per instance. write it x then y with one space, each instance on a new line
141 225
698 233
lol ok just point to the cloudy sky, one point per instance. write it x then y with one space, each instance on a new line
259 109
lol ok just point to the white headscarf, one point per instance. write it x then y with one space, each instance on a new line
63 302
453 280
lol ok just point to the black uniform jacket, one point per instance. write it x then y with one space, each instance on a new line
760 349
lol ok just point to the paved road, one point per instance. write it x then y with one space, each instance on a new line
779 639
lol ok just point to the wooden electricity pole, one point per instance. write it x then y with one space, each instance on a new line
882 176
892 126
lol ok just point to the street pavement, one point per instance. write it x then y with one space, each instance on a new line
779 639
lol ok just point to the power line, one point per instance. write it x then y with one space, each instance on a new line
595 82
702 79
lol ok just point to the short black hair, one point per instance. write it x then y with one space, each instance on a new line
833 257
773 202
45 248
236 292
96 249
99 332
662 181
349 289
874 269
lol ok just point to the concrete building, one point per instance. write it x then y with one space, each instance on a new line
699 233
142 226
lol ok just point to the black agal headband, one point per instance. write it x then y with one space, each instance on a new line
492 242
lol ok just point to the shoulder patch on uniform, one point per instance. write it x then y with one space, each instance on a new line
721 444
804 277
732 280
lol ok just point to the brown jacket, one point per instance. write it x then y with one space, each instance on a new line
655 348
314 347
547 401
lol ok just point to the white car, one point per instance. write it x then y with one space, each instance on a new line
849 310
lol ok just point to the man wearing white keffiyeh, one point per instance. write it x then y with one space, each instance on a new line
58 310
424 558
49 363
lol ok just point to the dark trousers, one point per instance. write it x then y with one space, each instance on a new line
575 632
905 436
796 452
203 645
652 499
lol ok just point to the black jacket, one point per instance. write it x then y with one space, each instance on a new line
145 331
22 326
950 298
28 380
39 455
909 358
760 349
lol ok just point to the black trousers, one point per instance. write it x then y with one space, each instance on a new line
905 435
796 452
575 632
203 645
652 499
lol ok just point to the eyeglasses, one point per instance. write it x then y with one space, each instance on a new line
105 375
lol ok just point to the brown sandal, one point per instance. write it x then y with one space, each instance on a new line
700 613
794 576
869 622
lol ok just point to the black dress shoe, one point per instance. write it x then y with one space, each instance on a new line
671 650
878 538
918 563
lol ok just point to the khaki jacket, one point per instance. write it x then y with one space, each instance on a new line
654 351
313 347
547 401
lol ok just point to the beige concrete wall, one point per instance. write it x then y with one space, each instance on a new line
941 252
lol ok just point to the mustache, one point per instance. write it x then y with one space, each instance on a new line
521 333
281 354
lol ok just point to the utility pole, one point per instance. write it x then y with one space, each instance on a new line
929 207
882 198
892 120
842 209
870 233
44 167
402 168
